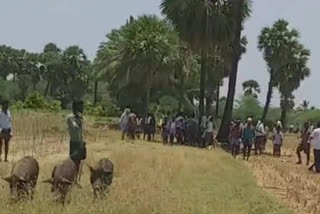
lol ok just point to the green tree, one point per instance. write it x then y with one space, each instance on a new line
291 77
251 88
275 43
202 24
138 54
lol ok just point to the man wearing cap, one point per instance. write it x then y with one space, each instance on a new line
248 137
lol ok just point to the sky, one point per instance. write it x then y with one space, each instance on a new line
30 24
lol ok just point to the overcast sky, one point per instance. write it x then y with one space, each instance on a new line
30 24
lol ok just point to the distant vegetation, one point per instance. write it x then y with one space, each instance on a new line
152 64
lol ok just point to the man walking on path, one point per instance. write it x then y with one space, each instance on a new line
315 139
78 151
235 138
5 129
305 144
248 137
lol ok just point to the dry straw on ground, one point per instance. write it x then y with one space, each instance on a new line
149 177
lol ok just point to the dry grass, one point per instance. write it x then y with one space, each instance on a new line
293 184
149 178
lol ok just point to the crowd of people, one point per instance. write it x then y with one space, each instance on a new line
182 129
179 129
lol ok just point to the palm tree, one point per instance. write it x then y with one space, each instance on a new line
240 11
138 53
203 24
292 75
251 88
275 42
305 105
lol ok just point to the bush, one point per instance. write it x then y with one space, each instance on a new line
35 101
54 105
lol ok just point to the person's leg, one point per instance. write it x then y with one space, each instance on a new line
317 160
299 153
244 151
279 151
6 149
307 151
249 151
256 146
1 141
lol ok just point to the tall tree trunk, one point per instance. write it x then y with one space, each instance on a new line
268 101
217 100
147 95
95 95
209 101
227 115
202 84
284 110
47 89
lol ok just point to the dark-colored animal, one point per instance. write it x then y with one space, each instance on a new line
101 177
63 177
23 178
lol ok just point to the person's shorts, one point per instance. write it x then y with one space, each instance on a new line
235 142
247 143
304 147
5 134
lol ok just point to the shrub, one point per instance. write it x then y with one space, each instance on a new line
35 101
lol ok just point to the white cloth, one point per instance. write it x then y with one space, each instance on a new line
209 128
260 129
5 120
278 138
315 136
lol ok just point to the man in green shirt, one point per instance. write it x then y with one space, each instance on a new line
248 137
78 151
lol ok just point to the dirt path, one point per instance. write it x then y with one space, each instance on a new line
293 184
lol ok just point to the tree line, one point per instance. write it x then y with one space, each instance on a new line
165 65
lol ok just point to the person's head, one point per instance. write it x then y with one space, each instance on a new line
5 105
318 125
238 122
306 125
249 121
127 111
78 106
278 129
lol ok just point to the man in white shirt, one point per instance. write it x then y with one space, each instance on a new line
5 129
315 139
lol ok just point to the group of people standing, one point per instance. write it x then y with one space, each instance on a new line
179 129
184 130
133 126
248 135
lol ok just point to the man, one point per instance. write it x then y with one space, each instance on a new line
260 138
235 138
78 151
124 122
315 138
208 133
304 144
5 129
132 124
248 137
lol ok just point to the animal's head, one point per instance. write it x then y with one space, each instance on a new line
100 180
18 187
59 187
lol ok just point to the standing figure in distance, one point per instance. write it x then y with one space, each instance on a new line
124 122
248 137
304 144
78 150
5 129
